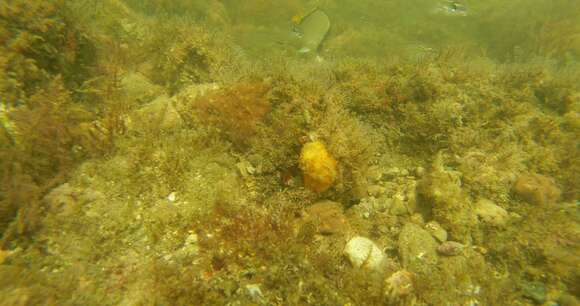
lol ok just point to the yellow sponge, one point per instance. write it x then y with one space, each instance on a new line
318 166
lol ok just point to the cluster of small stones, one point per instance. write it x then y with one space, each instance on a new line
421 245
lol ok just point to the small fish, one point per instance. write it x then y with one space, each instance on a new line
451 8
311 30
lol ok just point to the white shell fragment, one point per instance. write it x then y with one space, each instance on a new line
172 197
254 291
363 252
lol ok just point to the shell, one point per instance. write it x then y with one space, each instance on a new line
363 252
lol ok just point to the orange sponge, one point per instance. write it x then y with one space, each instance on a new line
318 166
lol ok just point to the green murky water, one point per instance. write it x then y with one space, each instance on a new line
289 152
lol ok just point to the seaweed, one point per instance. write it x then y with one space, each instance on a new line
149 153
236 111
44 59
185 54
47 145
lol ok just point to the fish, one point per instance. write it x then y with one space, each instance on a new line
311 29
451 8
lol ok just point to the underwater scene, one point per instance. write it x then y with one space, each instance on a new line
290 152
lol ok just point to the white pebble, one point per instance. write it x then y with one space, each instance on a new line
172 197
254 291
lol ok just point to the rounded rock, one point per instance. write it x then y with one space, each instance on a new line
417 248
537 189
327 217
435 229
491 213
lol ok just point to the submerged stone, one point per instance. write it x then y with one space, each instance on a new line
535 291
160 114
537 189
450 248
327 217
490 213
417 248
435 229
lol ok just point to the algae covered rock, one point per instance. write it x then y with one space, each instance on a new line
535 291
158 114
537 189
192 92
450 248
435 229
139 88
491 213
67 200
417 248
327 217
441 190
236 110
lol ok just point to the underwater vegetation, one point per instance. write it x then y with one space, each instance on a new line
44 57
236 111
183 152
